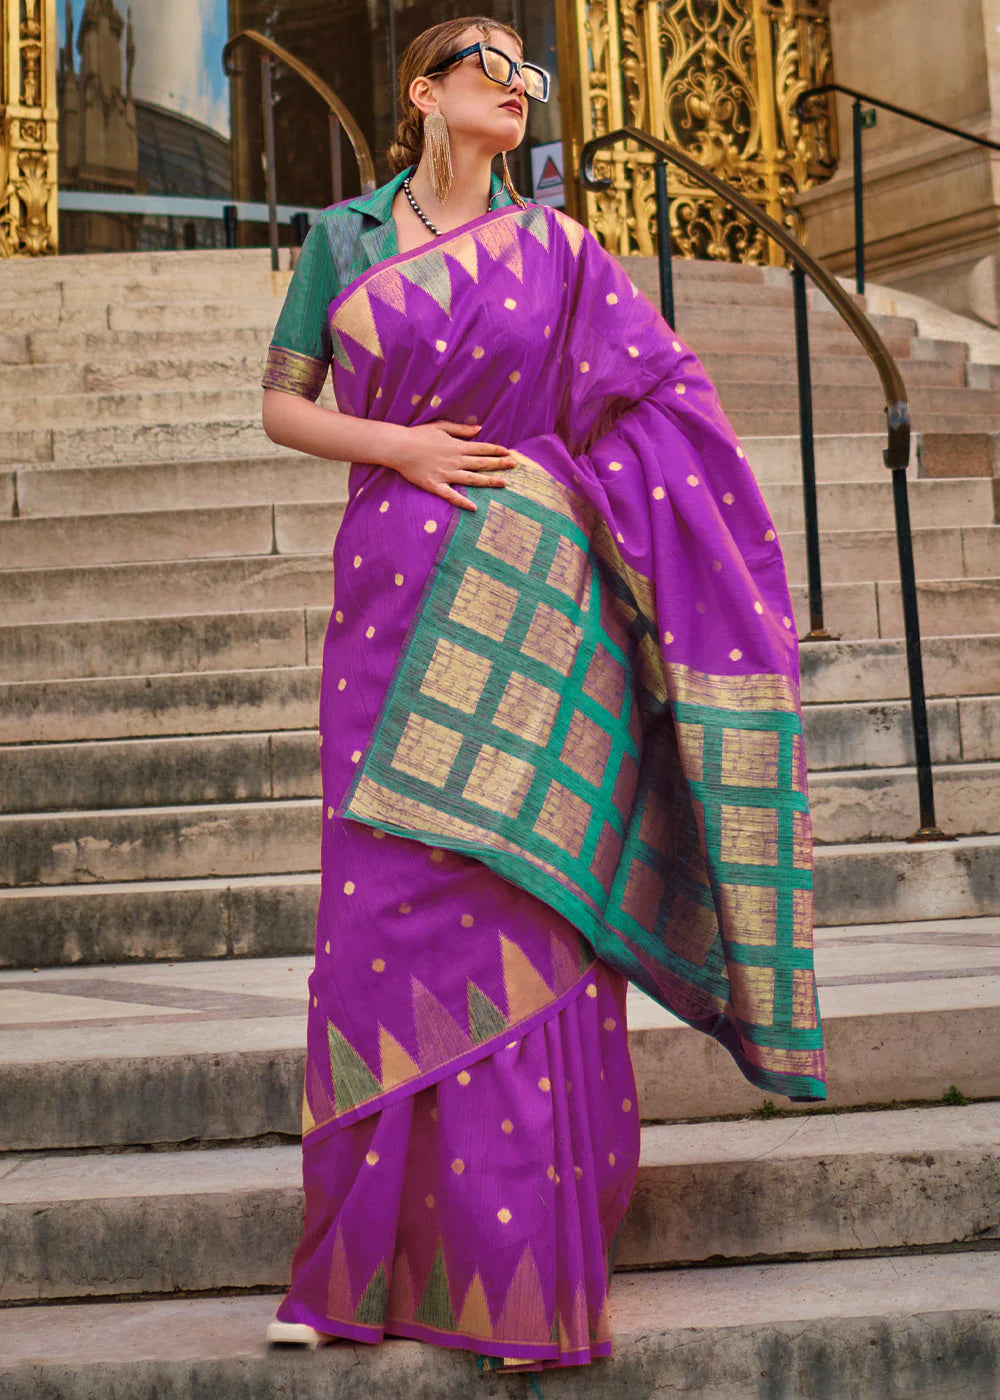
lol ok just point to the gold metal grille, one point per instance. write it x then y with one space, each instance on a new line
28 142
719 78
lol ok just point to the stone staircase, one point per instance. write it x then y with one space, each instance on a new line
164 588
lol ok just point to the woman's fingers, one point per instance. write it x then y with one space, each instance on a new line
500 460
448 493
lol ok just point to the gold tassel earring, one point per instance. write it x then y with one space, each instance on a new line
508 182
438 146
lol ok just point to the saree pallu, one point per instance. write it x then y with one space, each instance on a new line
561 748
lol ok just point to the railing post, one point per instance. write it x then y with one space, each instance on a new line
929 829
817 631
663 242
859 202
230 222
336 161
300 228
269 170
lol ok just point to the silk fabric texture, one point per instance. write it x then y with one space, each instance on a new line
561 750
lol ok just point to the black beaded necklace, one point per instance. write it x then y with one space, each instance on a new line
420 213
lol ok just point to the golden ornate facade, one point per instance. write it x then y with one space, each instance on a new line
719 78
28 138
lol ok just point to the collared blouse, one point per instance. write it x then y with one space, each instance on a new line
345 241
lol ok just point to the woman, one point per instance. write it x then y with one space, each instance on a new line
561 742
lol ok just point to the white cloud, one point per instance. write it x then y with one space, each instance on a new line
178 62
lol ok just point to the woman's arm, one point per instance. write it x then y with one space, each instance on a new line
434 456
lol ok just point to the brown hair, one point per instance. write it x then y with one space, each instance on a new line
434 44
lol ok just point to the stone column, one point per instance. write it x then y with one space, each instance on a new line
28 128
932 201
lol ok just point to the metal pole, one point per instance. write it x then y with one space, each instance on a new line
336 159
929 830
663 242
269 171
859 203
390 34
817 631
230 223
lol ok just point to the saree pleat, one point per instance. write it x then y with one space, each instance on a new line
478 1212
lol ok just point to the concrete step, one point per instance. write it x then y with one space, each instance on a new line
878 1328
162 589
175 1052
862 398
275 914
878 804
141 646
144 442
229 768
156 406
73 346
842 740
206 532
225 822
271 683
192 702
843 505
248 917
170 587
943 552
745 367
172 1222
291 476
220 371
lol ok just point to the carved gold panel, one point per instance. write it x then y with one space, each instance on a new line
28 135
719 78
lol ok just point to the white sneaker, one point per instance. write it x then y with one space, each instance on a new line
297 1334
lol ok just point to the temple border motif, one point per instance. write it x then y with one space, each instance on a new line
720 78
28 128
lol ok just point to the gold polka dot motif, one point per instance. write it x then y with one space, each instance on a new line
658 493
398 580
504 1215
478 353
591 990
510 304
378 964
458 1166
467 921
349 887
357 561
609 1023
545 1084
440 345
507 1126
383 507
464 1077
430 526
611 299
369 632
371 1158
429 1202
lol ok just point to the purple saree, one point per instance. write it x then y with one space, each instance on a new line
561 750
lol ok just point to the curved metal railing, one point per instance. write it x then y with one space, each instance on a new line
860 121
340 117
897 452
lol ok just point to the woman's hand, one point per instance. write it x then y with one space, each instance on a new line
438 456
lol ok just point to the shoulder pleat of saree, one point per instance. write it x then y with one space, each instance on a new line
598 691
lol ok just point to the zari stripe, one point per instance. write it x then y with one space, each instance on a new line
293 373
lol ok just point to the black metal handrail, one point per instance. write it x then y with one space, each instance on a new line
859 119
340 117
896 455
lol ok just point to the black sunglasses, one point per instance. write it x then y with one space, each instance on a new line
501 68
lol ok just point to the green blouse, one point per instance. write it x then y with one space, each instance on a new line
343 242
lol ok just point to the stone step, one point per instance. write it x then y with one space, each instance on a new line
240 395
878 1328
263 836
47 347
42 491
743 366
79 446
153 406
161 1054
171 587
192 702
239 364
257 766
136 693
842 505
220 371
34 542
878 804
171 1222
273 915
166 588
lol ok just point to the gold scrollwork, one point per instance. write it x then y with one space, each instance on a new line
719 78
28 142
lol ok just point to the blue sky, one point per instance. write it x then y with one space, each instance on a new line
178 55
